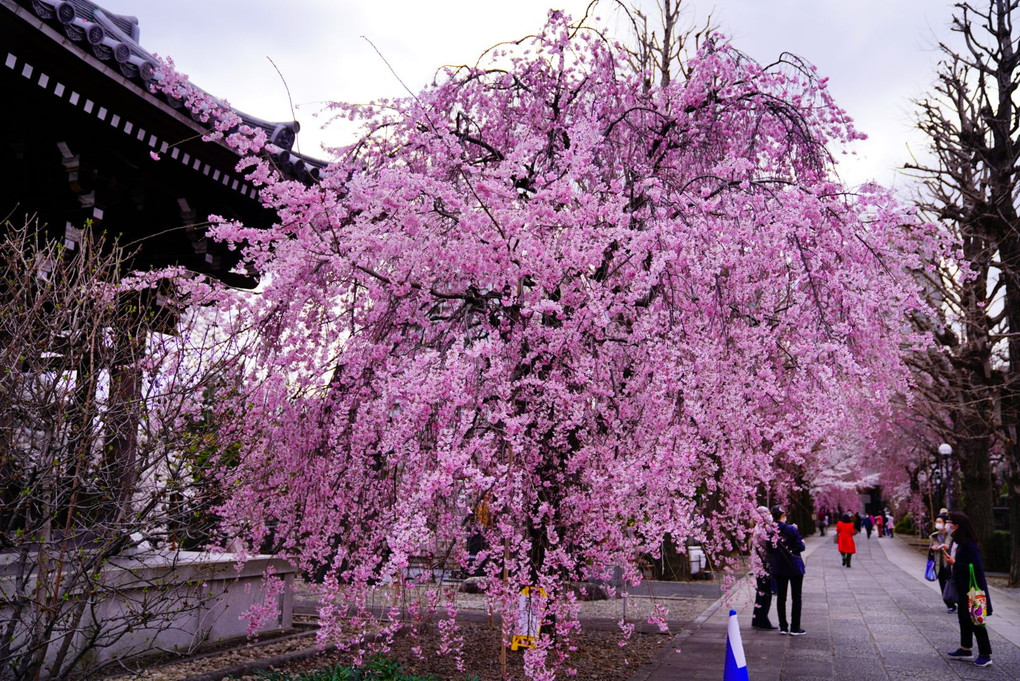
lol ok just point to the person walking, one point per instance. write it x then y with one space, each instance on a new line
866 522
879 524
890 530
788 569
761 563
941 539
967 560
845 532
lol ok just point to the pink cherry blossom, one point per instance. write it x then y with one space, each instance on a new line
543 303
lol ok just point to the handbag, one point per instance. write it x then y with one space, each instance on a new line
977 601
929 569
949 596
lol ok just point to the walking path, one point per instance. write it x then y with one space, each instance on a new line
877 621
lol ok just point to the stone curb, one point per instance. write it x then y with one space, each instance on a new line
258 665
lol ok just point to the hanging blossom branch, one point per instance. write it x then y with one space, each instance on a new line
528 306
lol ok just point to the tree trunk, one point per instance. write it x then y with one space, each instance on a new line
975 486
801 510
672 566
1014 531
1010 409
122 438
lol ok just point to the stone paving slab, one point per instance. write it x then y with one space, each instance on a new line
876 621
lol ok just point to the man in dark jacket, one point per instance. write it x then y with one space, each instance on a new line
788 570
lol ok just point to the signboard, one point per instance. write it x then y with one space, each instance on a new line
530 609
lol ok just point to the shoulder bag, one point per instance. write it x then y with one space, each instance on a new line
929 569
977 601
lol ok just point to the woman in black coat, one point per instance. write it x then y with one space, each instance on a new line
967 555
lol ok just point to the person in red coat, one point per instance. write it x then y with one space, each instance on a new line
845 532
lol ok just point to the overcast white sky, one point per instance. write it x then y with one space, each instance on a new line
878 54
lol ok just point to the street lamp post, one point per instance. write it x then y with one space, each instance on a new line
945 455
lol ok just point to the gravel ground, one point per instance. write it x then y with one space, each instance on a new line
209 663
599 655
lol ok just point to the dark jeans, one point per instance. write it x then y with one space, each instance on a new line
762 602
795 585
968 632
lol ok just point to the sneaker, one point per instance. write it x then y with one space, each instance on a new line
960 654
797 632
983 662
951 609
784 631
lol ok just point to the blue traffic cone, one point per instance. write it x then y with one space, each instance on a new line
736 664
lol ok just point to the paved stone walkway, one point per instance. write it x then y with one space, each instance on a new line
876 621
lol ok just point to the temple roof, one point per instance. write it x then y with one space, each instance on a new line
113 41
90 140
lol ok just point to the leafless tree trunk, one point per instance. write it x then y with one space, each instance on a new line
971 121
662 51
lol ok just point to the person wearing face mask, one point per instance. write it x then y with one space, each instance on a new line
941 538
966 560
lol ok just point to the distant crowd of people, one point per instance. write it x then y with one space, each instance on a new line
776 554
881 523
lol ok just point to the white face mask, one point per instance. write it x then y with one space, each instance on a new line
939 526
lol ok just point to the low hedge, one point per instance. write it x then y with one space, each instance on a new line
996 553
904 525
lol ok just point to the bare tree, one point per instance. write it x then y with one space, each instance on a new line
105 450
972 120
662 50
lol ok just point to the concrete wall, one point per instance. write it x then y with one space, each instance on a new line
191 600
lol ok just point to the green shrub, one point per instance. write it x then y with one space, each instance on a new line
379 668
904 525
